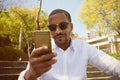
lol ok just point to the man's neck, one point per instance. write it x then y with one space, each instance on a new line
64 46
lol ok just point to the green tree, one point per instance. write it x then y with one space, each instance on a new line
102 15
15 18
38 15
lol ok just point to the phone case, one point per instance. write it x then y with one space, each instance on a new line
42 38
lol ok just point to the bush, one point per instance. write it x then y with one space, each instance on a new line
10 53
115 55
4 40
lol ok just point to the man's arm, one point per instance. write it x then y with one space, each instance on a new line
103 61
39 63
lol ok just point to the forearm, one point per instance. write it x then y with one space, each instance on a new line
24 75
104 62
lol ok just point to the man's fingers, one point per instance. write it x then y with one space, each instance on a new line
48 63
39 51
46 69
48 56
43 58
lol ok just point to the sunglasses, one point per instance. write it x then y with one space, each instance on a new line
62 26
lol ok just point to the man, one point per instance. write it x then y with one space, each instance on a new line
69 58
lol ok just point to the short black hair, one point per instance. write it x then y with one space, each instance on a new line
61 11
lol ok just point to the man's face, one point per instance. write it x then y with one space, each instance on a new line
61 28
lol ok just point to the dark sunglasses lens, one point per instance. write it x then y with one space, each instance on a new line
52 27
63 25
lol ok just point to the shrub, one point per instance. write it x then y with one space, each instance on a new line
115 55
10 53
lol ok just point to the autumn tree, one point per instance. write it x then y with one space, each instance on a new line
15 18
102 15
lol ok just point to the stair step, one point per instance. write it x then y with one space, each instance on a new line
92 68
96 74
11 70
13 63
9 76
99 78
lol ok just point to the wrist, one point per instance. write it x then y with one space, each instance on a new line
29 76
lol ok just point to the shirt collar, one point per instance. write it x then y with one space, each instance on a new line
55 46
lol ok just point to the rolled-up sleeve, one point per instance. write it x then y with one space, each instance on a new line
22 74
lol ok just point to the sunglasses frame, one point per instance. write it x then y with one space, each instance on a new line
62 26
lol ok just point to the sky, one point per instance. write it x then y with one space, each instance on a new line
71 6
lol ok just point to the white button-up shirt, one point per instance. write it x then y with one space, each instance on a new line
72 63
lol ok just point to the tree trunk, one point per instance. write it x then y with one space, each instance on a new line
37 17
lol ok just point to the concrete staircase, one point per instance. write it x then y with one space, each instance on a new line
94 74
9 70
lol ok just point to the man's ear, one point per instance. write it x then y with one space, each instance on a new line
71 26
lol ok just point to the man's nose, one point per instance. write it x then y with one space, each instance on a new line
58 30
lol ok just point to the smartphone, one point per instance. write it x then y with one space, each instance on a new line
42 38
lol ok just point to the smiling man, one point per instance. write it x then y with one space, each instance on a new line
69 58
61 27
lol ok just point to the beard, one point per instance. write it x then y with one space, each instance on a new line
61 39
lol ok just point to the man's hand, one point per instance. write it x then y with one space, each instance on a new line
40 62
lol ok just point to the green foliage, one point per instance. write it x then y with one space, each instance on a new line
105 14
12 21
4 40
10 53
15 18
115 55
